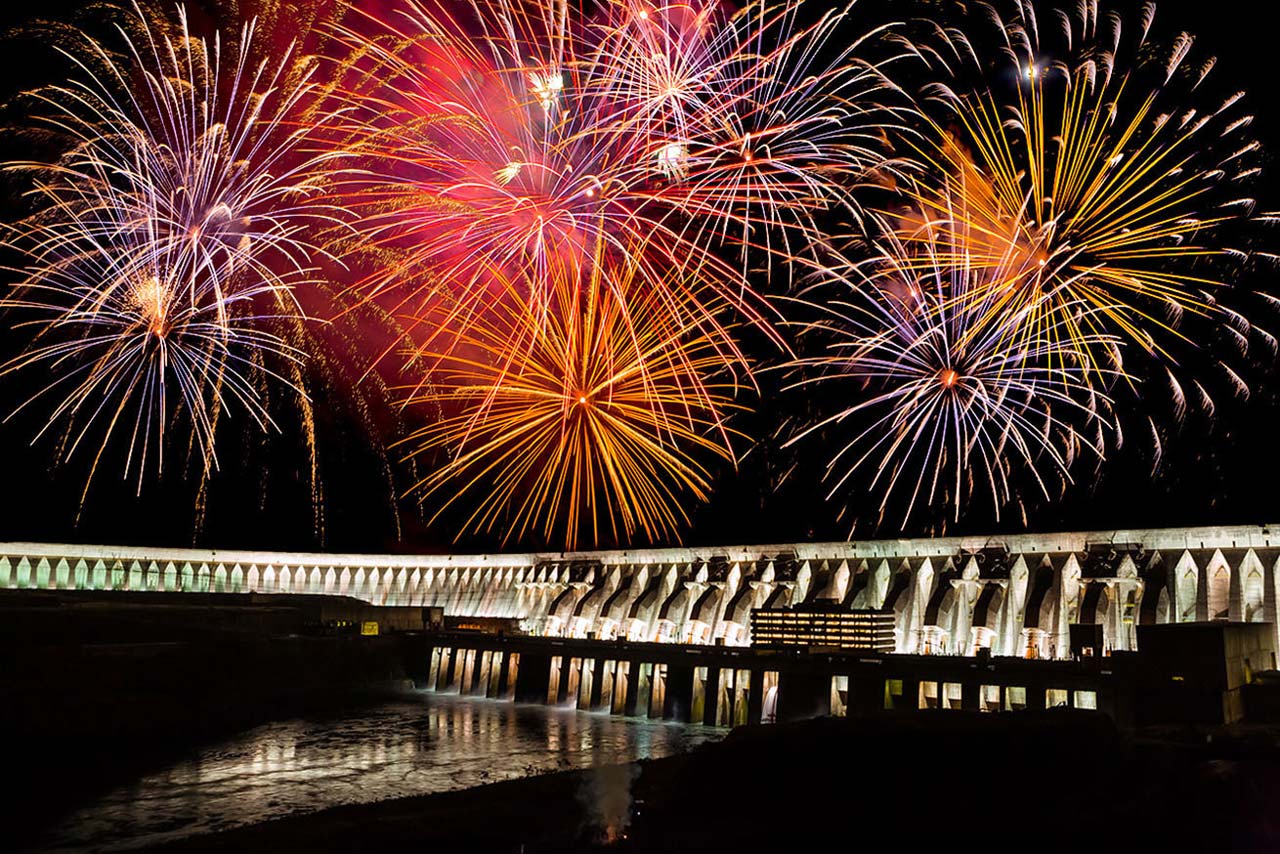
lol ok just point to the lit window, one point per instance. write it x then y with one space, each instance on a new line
1015 698
892 693
1086 699
928 695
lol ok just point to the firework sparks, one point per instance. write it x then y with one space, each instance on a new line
1109 185
529 134
954 400
167 242
598 423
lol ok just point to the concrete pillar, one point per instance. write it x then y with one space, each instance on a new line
566 669
910 698
1235 591
967 591
679 699
969 696
532 677
712 702
866 695
503 659
1170 558
1268 558
1202 558
803 695
597 684
631 703
755 697
911 619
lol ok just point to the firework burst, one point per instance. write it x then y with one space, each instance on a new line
1101 185
166 244
598 423
512 134
955 401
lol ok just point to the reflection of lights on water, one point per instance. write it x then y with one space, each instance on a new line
437 743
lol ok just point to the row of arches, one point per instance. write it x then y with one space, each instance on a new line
1021 604
469 591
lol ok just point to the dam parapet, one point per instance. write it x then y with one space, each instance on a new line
1013 595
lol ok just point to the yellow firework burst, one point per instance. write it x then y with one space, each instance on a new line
1091 191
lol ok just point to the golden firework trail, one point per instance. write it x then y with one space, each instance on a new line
1097 186
597 424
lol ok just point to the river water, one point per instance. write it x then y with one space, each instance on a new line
420 745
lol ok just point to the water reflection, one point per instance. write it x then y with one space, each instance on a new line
393 750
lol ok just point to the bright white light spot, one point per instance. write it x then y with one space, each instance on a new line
508 173
673 160
547 87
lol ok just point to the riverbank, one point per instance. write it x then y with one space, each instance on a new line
103 687
1051 781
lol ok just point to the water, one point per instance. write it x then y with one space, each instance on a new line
417 746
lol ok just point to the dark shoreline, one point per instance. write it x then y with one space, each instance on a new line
102 687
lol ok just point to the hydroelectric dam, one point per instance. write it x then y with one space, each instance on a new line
983 623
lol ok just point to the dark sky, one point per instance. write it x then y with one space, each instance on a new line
1223 470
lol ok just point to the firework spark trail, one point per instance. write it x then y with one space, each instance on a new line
752 142
953 397
572 213
599 423
520 132
1114 182
561 177
161 261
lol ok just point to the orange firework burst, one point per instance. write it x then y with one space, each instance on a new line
598 422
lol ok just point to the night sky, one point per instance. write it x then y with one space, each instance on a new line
1214 471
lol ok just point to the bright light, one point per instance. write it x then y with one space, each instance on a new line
673 159
547 88
151 298
508 173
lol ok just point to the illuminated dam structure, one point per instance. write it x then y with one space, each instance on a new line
1010 595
